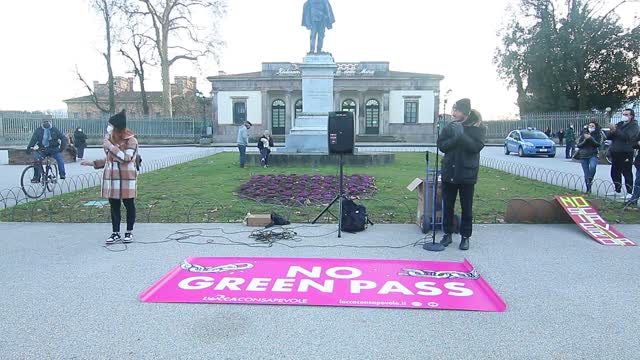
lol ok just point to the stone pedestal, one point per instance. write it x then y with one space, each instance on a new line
309 132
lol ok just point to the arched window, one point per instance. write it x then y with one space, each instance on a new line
349 105
372 116
278 117
298 107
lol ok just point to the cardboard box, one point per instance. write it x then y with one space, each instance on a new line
258 219
424 191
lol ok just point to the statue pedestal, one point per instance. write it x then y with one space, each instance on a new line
309 132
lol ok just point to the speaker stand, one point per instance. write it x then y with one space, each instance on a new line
341 196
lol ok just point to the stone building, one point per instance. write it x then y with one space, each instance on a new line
388 105
184 97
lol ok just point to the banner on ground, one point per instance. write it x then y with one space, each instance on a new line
590 221
327 282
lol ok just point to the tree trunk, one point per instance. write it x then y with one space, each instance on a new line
143 94
112 97
520 89
143 91
166 80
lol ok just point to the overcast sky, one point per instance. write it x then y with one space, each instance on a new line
42 41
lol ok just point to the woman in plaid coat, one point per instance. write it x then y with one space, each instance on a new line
119 180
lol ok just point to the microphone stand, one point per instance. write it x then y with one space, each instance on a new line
433 245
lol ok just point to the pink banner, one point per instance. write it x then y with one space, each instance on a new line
329 282
590 221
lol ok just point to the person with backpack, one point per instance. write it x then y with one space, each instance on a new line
461 142
265 143
119 182
50 142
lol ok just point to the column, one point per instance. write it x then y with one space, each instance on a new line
384 119
265 117
289 113
214 112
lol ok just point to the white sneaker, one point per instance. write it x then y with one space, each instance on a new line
628 197
128 237
114 238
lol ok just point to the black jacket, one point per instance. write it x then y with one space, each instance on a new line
623 139
57 143
461 145
589 147
260 145
637 147
79 139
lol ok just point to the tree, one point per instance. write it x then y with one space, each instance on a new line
108 10
173 21
581 59
140 43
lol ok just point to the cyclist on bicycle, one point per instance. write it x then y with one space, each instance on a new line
50 142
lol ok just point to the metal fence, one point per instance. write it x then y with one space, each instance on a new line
16 128
552 120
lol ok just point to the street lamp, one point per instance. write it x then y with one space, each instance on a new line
203 101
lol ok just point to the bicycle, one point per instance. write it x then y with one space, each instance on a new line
35 187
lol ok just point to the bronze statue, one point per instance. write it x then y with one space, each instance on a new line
317 16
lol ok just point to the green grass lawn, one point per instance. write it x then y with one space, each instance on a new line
204 190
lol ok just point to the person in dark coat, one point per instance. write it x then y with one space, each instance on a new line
264 145
561 136
461 142
51 142
623 136
570 137
80 141
636 185
588 145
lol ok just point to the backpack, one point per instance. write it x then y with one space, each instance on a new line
138 162
354 217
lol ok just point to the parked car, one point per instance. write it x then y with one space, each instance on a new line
529 142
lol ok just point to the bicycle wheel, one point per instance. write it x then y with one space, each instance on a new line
31 190
52 176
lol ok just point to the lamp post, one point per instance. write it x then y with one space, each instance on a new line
203 101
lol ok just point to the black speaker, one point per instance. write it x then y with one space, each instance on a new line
341 132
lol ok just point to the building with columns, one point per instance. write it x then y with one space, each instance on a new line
388 105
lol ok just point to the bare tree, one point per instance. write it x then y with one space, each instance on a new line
92 93
173 20
139 59
107 9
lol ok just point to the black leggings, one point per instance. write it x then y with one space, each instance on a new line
116 217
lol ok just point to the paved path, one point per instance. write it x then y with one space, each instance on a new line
66 297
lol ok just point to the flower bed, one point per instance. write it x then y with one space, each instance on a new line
304 189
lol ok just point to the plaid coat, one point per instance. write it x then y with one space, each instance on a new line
119 180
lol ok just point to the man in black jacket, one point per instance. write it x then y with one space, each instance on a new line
636 186
461 142
50 142
623 136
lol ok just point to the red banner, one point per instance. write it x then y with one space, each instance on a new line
590 221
